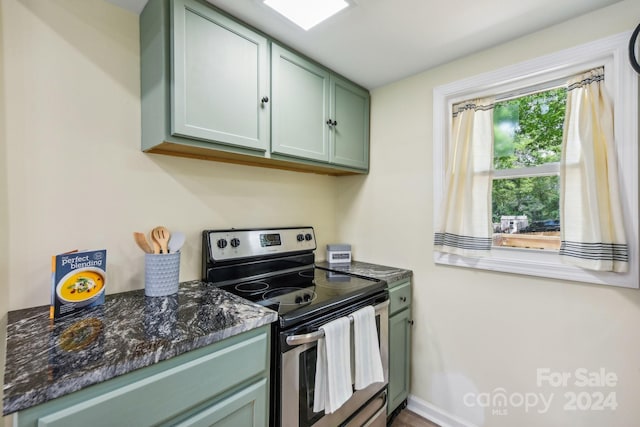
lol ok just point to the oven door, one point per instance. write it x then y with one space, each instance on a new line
298 381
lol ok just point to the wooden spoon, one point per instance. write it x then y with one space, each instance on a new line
154 242
142 242
161 235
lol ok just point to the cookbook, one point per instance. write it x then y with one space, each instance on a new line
77 281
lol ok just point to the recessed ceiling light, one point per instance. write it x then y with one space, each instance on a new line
307 13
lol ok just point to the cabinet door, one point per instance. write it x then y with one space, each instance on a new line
349 137
247 407
399 358
220 76
300 106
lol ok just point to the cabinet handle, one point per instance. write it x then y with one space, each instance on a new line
410 322
335 123
264 99
403 299
332 123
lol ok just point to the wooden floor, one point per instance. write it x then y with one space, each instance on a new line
406 418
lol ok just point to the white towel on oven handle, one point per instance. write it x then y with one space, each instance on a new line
333 366
368 364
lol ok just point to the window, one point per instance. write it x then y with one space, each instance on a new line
525 175
525 196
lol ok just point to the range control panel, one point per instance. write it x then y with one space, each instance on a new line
225 245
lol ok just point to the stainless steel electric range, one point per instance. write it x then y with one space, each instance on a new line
275 268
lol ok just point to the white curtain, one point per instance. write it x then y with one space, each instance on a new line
592 226
465 215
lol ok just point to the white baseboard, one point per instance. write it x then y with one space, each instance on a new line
435 414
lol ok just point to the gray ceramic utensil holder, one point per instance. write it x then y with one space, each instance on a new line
161 274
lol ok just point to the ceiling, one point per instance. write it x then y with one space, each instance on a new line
376 42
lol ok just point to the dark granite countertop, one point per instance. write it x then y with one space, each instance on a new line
373 271
128 332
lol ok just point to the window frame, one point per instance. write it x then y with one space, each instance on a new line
519 79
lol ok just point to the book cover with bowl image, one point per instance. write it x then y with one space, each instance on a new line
78 281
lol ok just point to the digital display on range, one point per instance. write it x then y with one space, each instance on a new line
272 239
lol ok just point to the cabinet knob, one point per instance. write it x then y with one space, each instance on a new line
410 322
335 123
332 122
403 299
264 99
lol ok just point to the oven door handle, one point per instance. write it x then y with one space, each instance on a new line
315 336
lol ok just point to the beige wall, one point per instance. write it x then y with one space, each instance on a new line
72 174
479 331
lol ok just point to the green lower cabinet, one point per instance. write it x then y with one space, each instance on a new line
399 358
399 344
244 408
223 384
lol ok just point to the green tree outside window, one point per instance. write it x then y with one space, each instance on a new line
528 133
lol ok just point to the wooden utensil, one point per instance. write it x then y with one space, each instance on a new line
161 235
142 242
154 243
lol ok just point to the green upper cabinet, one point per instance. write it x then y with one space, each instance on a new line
300 108
317 115
215 88
349 137
220 78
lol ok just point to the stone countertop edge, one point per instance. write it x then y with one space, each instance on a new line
129 331
369 270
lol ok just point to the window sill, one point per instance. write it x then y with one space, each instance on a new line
540 263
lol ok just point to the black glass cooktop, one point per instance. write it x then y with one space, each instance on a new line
307 293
